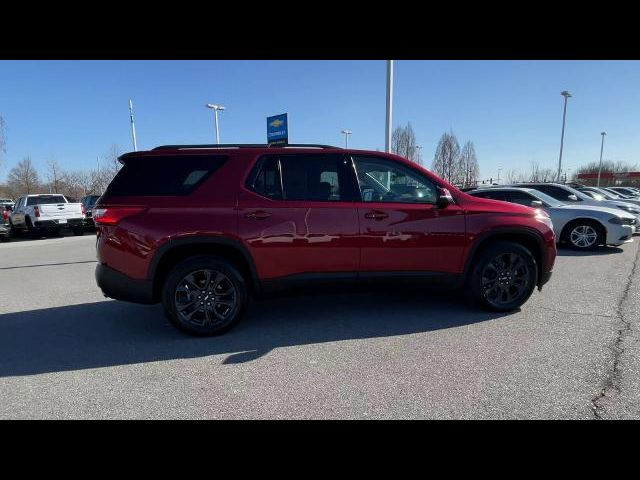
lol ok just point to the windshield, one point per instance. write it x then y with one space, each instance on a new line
606 194
45 199
552 202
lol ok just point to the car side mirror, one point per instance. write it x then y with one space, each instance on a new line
444 198
573 198
536 204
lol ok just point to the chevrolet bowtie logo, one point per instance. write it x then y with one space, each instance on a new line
276 123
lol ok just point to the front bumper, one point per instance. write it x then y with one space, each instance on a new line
120 287
619 234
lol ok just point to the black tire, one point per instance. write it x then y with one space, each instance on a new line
13 231
32 232
517 278
571 234
78 231
204 321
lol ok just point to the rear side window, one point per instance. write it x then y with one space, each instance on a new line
320 178
163 175
45 199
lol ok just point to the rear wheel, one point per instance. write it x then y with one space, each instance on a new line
584 235
78 231
204 295
503 277
32 231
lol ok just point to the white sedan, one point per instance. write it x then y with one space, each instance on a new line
582 227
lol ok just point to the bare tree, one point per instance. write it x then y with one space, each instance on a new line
514 176
469 163
403 143
446 161
55 175
23 178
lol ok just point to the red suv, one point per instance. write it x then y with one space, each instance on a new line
202 228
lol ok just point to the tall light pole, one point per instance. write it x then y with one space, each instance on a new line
419 154
215 109
133 127
601 149
387 137
498 181
566 96
346 137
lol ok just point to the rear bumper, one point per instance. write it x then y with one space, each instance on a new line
72 222
120 287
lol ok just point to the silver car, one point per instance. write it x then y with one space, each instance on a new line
569 195
582 227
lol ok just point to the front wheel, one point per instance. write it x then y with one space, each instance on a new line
584 235
503 277
204 295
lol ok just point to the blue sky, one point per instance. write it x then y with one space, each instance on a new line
512 110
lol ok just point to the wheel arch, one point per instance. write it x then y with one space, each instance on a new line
526 237
174 251
574 221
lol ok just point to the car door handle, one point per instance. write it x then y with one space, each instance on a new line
376 215
258 215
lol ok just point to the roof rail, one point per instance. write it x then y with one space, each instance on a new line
241 145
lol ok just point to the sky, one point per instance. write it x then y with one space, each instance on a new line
73 111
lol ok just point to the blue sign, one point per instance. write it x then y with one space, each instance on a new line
278 130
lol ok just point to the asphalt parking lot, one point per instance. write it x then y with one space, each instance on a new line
68 352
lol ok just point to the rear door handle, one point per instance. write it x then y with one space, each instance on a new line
258 215
376 215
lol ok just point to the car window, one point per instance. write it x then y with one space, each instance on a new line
169 175
382 180
495 195
322 178
521 198
266 181
45 200
315 177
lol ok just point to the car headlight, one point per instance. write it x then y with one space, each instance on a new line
622 221
542 216
635 211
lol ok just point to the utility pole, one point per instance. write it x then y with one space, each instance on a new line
601 148
133 127
215 109
566 96
387 137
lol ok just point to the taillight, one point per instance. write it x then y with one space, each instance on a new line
83 211
36 211
111 215
5 214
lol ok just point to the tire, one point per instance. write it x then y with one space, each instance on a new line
509 261
78 231
13 231
32 232
584 235
183 288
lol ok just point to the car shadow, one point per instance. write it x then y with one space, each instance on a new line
568 252
111 333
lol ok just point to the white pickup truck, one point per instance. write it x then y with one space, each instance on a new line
51 211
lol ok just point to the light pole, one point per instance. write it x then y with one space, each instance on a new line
133 127
346 137
419 154
499 176
387 136
215 109
601 148
566 96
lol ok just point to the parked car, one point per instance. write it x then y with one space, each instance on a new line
5 228
35 214
624 192
87 208
213 225
612 196
583 227
567 194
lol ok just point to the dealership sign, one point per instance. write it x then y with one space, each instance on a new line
278 129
